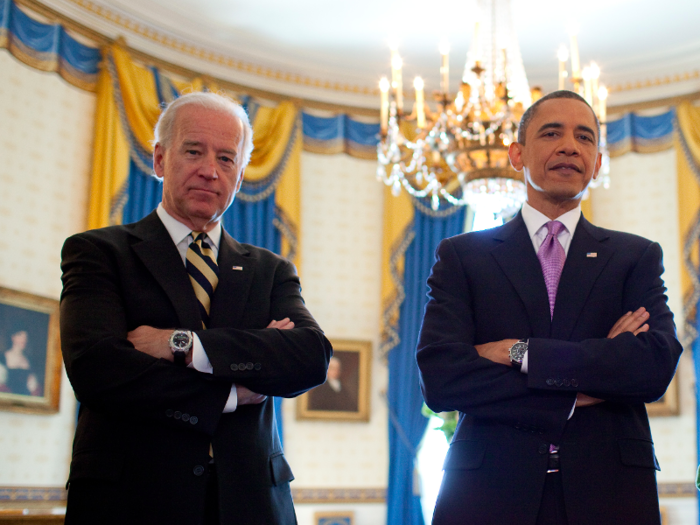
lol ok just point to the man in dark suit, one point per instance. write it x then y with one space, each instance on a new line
175 341
550 379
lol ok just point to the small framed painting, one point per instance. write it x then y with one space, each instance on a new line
345 394
30 354
668 405
334 518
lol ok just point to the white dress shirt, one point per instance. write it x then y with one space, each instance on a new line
182 237
536 222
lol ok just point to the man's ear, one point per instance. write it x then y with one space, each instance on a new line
598 164
159 160
515 154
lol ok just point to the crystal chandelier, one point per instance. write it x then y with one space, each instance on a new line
460 152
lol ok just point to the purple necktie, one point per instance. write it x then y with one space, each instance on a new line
552 256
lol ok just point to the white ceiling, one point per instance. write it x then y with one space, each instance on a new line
347 42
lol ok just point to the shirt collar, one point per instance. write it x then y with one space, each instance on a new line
179 232
534 219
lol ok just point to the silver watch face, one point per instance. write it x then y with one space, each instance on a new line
181 341
517 351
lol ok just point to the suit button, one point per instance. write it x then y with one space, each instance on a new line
574 382
241 366
169 412
234 367
567 382
257 366
543 449
558 382
198 470
185 417
193 420
249 366
177 414
550 382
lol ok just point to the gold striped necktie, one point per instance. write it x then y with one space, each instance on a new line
203 272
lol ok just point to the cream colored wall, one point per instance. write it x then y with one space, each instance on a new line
45 143
341 260
642 199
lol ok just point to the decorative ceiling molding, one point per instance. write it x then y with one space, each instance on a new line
161 38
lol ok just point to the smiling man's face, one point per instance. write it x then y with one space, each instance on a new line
560 155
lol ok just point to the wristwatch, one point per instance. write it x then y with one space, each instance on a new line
517 352
180 344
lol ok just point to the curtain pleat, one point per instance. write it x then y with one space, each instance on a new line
406 423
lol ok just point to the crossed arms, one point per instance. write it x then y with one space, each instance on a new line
464 364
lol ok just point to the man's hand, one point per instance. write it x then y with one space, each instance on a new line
152 341
247 397
582 400
635 322
498 352
284 324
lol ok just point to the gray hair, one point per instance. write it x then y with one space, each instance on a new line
532 110
164 130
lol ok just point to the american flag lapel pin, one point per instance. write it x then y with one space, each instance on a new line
237 268
592 254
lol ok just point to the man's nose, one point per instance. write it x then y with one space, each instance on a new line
569 145
208 167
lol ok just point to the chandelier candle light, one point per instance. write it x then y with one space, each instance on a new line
459 153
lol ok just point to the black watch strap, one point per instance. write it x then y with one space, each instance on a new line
179 358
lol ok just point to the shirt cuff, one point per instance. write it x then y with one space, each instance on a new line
523 366
572 411
232 401
200 361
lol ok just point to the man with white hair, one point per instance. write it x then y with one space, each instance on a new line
175 337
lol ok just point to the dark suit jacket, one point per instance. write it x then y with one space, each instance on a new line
141 447
488 286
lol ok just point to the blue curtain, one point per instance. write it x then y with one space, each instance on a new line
406 423
641 134
48 47
340 134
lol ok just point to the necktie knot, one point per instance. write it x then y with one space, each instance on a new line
555 228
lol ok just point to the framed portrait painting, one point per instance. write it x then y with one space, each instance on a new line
345 394
30 355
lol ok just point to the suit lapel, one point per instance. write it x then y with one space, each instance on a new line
236 270
517 258
161 258
581 270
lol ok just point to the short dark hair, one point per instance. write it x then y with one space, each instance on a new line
532 111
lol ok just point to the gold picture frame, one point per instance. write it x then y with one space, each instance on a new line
345 394
346 517
669 404
29 337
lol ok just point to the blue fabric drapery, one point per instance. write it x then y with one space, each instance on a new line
48 47
340 134
406 423
640 134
